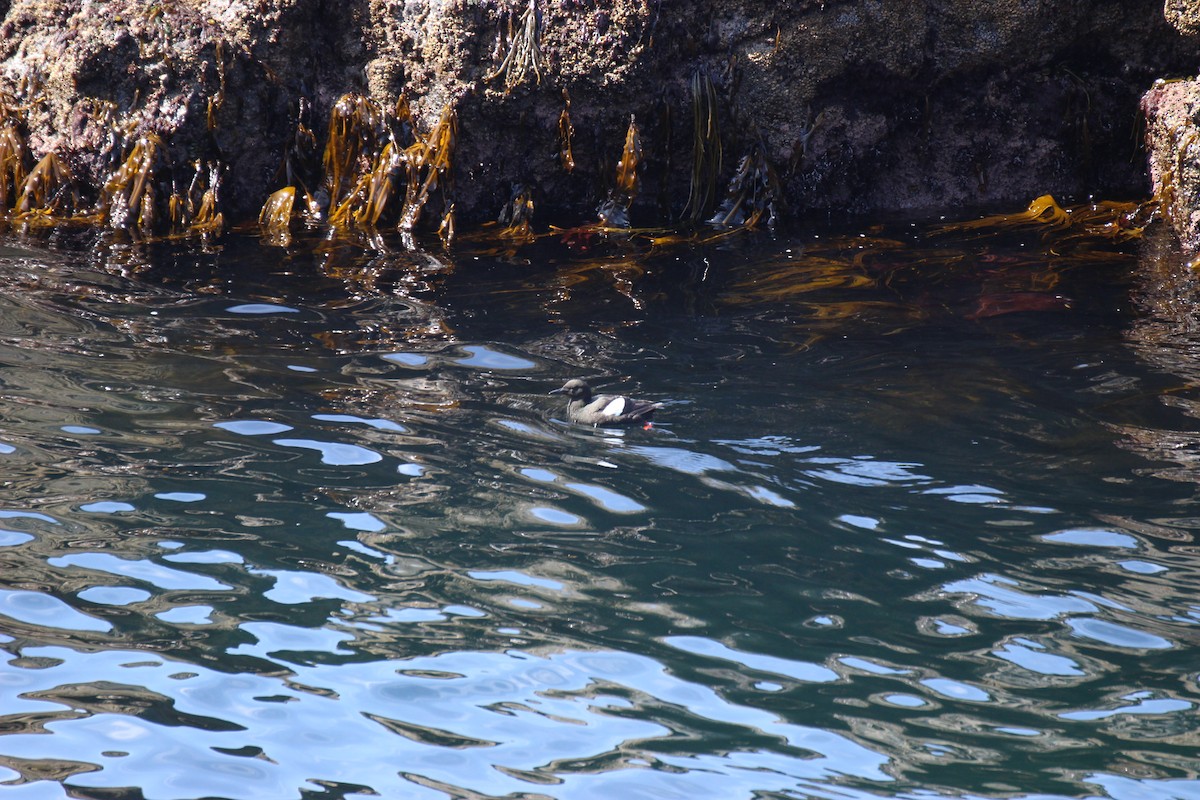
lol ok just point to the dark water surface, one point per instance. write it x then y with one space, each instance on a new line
918 518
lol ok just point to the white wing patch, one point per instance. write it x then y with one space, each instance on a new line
615 407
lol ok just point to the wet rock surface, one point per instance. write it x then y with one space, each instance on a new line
857 105
1173 136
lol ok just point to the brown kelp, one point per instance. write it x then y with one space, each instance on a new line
364 165
447 227
357 135
300 167
197 209
566 132
1118 221
427 165
13 156
49 192
517 215
706 148
753 196
128 197
276 216
614 211
523 49
140 194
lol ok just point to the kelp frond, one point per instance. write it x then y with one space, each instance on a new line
216 101
356 129
1119 221
197 209
427 161
706 148
299 166
364 169
13 159
566 132
631 158
1044 209
524 50
380 185
48 191
207 217
446 231
139 188
517 215
753 196
276 215
128 197
614 212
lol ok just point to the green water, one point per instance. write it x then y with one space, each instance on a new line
917 518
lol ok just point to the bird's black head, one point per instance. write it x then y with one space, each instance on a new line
576 389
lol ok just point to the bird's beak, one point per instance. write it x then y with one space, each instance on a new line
559 390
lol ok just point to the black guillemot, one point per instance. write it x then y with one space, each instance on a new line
604 409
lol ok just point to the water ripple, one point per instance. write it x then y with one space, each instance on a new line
327 535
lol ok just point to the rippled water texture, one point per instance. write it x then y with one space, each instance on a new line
917 518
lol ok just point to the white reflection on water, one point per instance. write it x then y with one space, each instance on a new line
545 717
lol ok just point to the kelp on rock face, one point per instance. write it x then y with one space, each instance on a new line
140 194
128 196
706 148
42 194
753 196
524 50
48 192
13 156
364 164
614 212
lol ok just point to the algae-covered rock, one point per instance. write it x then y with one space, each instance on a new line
1172 111
858 105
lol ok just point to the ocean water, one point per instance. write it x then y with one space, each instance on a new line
917 519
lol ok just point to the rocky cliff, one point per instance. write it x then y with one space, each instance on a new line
1172 111
863 105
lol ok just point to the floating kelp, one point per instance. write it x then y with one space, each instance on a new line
1000 304
614 212
706 148
523 50
622 273
1119 221
793 279
1044 210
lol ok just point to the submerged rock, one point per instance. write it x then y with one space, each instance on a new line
858 105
